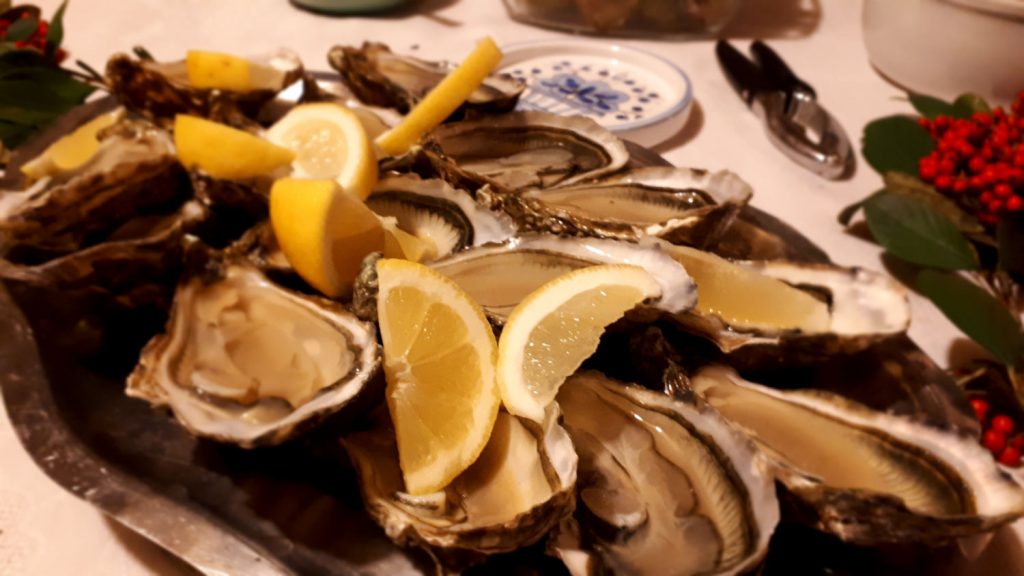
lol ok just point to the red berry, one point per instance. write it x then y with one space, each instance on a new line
1003 190
995 206
1003 424
987 218
947 166
976 164
944 182
1010 456
994 441
928 172
980 406
1014 204
960 185
924 123
976 182
986 197
1017 442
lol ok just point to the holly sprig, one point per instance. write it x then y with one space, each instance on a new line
951 209
34 89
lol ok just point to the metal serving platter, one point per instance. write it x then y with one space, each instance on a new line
296 509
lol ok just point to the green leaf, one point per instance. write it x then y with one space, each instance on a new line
13 135
913 230
55 34
896 143
907 185
19 115
847 214
967 104
22 29
975 312
930 107
1010 236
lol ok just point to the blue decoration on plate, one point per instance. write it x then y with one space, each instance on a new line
599 97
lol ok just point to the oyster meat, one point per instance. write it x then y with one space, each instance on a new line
500 276
248 362
681 205
434 211
665 487
868 477
832 309
379 77
530 149
521 486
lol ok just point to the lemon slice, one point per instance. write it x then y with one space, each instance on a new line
743 298
439 104
329 142
439 355
558 326
225 152
324 232
73 150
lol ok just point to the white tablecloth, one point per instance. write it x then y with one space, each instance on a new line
46 531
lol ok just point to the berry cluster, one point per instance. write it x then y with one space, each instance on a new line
999 437
979 162
37 41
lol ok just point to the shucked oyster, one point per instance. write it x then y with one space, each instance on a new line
519 488
812 310
379 77
435 211
681 205
530 149
500 276
664 487
160 90
247 362
868 477
134 172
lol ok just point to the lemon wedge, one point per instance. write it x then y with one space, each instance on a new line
439 357
329 141
323 231
742 297
73 150
225 152
218 70
558 326
439 104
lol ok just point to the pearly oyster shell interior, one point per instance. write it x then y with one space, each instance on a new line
247 362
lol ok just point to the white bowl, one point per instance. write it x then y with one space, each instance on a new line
947 47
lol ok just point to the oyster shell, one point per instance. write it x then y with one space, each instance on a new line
681 205
133 173
138 265
434 211
665 487
248 362
868 477
500 276
379 77
519 488
857 308
530 149
160 90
